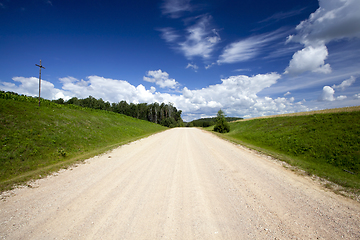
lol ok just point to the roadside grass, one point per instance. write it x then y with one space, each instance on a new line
36 141
326 145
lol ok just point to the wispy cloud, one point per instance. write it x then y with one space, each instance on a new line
200 39
282 15
248 48
174 8
169 34
242 70
283 50
345 83
193 66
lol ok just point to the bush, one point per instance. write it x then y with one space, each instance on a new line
221 125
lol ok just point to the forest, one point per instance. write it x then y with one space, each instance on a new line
163 114
207 122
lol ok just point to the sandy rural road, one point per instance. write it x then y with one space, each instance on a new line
183 183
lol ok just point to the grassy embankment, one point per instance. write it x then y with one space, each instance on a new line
323 144
36 141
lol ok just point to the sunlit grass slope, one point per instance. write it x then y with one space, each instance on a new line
327 145
37 140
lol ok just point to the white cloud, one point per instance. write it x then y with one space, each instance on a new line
239 51
247 49
160 78
236 95
309 59
341 97
108 89
327 94
168 34
200 40
333 20
193 66
174 8
242 70
345 83
30 87
288 93
210 65
283 15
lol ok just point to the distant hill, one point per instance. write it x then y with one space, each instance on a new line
207 122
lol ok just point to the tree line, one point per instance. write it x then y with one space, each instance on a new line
163 114
207 122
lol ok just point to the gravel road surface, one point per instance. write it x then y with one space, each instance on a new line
183 183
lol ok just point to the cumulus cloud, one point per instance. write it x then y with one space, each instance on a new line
106 88
309 59
99 87
30 87
327 94
333 20
160 78
236 95
341 97
345 83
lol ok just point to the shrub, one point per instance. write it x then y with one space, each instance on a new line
221 125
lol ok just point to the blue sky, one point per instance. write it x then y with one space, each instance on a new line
250 58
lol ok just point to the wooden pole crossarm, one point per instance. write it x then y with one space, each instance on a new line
39 66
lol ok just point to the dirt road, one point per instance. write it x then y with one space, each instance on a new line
183 183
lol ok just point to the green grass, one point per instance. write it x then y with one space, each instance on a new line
326 145
39 140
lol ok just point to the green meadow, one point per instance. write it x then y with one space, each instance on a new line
36 141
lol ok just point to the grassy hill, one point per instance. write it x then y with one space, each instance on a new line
326 144
38 140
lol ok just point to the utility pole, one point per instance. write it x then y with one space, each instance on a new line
40 66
